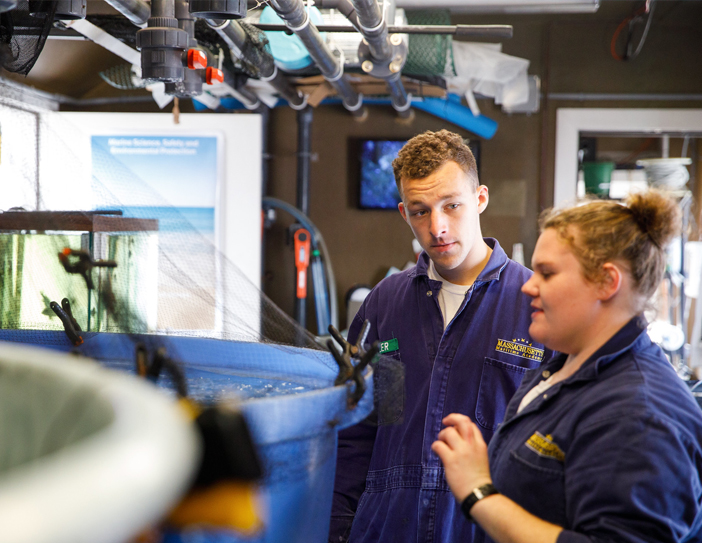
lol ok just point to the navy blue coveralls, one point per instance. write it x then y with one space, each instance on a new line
613 453
389 483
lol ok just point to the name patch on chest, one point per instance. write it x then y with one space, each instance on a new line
388 346
521 348
543 445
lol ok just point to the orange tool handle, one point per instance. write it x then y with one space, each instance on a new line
302 260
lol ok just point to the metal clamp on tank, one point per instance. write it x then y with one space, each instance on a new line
70 324
347 370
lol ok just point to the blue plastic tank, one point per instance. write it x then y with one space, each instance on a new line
288 398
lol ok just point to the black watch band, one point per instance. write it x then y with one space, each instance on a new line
475 496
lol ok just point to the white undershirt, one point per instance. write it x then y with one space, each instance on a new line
534 392
451 295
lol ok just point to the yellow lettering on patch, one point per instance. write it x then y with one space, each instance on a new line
521 348
543 445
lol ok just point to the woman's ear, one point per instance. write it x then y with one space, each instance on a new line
611 282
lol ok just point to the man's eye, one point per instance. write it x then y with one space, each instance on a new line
453 206
419 213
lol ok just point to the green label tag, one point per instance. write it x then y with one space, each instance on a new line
389 346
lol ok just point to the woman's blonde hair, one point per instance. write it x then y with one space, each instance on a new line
635 232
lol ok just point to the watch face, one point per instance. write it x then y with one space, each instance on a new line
475 496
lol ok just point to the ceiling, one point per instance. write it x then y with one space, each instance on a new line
71 66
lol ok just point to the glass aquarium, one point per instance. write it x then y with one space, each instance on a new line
32 275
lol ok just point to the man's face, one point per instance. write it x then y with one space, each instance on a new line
443 212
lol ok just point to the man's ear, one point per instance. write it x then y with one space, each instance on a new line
611 281
401 207
483 198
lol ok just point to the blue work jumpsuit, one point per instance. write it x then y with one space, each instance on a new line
389 483
613 453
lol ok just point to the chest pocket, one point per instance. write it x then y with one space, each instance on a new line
389 388
498 383
526 470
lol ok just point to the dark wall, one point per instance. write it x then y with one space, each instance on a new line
571 54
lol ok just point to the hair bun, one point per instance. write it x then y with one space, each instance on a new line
656 214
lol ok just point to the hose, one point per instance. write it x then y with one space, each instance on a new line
317 242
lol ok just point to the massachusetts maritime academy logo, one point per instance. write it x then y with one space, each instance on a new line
520 347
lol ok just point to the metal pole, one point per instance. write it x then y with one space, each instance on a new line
304 147
491 32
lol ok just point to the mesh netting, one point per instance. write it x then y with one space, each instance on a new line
428 54
23 32
256 58
111 255
167 276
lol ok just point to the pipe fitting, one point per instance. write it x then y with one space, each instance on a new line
162 44
296 18
218 9
383 68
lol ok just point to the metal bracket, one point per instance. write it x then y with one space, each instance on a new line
388 68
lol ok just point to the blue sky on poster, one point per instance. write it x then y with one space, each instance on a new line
180 169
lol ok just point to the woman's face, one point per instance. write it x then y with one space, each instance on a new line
564 302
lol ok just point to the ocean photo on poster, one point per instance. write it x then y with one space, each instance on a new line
172 179
169 178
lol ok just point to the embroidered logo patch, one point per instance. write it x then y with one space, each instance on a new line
389 346
543 445
521 348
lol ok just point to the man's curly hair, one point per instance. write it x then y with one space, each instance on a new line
425 153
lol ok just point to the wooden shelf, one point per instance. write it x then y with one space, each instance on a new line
77 221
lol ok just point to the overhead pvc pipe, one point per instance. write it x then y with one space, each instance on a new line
137 11
386 54
298 21
236 37
374 28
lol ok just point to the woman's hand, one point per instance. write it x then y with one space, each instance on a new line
463 452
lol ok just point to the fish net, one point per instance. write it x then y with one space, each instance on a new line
99 249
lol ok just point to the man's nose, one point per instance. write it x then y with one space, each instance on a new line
439 225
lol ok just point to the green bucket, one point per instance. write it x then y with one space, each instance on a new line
598 176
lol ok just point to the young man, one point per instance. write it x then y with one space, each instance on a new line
458 322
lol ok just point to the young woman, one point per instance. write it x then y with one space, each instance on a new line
603 442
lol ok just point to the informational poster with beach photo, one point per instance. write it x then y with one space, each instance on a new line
180 169
173 179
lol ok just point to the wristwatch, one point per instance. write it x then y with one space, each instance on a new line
475 496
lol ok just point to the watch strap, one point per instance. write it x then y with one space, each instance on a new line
474 497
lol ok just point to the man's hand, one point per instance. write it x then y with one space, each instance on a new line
463 452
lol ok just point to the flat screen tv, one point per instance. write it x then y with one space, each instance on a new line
377 184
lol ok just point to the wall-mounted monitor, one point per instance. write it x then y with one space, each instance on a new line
377 188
